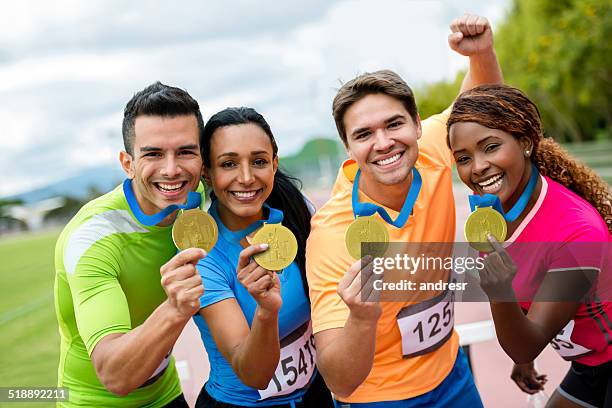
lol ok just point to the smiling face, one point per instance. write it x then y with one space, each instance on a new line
241 173
382 139
491 161
166 163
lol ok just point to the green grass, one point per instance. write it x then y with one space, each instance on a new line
30 340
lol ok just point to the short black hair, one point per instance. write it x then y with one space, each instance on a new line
158 100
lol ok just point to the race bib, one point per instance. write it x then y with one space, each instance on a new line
563 344
296 364
427 325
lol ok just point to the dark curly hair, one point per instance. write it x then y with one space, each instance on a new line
506 108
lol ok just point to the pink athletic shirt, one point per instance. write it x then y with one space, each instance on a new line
567 233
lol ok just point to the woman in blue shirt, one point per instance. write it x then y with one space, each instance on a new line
255 323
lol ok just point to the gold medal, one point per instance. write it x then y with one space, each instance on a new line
480 223
282 247
194 229
366 230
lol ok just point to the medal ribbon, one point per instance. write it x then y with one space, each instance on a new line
193 200
366 209
491 200
274 217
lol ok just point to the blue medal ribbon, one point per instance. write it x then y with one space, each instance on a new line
274 217
194 200
491 200
366 209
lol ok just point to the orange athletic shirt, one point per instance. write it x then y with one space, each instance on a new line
433 220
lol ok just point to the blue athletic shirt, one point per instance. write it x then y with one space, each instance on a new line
218 272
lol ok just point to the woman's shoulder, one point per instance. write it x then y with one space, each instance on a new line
218 257
563 199
572 214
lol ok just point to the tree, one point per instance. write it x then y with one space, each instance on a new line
7 222
64 213
559 53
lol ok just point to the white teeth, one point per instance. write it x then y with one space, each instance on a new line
493 187
390 160
493 179
170 187
491 184
244 194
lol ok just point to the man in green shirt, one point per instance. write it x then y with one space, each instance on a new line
122 296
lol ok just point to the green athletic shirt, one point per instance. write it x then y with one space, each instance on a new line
108 281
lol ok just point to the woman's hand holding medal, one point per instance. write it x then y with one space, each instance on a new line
498 272
261 283
356 288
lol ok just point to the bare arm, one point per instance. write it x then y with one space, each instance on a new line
253 353
123 362
523 337
484 69
345 355
472 36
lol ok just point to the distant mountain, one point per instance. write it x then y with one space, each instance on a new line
312 152
317 161
99 178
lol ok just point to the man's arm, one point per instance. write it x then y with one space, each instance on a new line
472 37
124 361
345 355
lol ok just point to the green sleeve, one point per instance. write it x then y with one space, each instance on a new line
100 305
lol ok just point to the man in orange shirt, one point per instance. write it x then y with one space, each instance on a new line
365 350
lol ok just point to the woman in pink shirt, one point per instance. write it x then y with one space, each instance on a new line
548 283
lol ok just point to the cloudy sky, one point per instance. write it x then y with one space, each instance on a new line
68 67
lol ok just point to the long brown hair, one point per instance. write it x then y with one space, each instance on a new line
506 108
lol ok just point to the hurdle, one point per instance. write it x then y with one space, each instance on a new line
473 333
